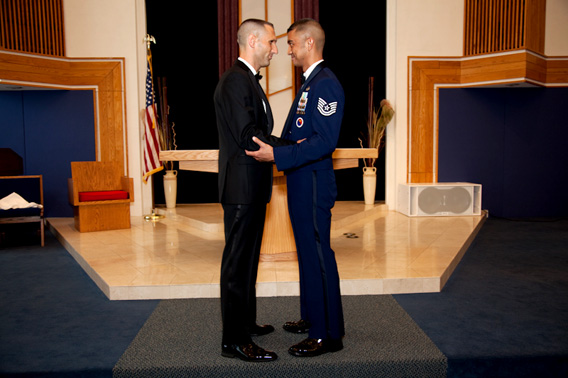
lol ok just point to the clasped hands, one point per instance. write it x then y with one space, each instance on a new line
265 153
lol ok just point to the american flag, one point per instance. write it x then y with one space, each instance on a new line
152 162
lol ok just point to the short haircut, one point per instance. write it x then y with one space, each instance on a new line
309 27
251 26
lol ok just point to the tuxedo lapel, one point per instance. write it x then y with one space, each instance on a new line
262 96
268 109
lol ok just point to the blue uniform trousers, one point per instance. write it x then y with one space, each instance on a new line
311 196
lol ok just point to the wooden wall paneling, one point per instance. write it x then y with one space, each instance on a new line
106 135
96 122
419 130
514 25
119 126
448 72
535 24
486 38
508 25
500 67
503 25
32 26
557 71
493 28
466 29
110 103
3 25
422 135
498 15
536 68
105 77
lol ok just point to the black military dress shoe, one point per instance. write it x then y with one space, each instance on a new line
314 347
301 326
260 330
248 352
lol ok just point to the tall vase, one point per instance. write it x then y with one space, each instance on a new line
369 184
170 188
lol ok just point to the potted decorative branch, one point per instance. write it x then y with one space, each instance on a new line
377 122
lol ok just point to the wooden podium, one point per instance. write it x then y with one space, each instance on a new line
278 240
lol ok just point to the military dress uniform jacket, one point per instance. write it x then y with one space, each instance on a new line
316 115
241 114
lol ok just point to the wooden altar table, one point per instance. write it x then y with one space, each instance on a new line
278 240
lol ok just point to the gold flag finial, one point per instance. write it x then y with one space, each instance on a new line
149 39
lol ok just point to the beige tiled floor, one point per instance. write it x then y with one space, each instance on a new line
179 256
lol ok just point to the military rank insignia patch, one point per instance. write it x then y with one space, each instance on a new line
326 109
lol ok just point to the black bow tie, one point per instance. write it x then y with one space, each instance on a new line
303 79
258 76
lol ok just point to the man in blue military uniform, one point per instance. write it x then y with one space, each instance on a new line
315 118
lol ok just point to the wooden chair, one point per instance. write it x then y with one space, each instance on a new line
100 196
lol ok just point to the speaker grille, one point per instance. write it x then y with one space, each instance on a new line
433 200
439 199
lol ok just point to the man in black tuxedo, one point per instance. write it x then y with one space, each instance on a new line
245 186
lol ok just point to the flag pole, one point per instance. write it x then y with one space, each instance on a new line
150 162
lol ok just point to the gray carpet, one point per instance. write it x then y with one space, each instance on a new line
182 338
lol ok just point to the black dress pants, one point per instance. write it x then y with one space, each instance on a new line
244 226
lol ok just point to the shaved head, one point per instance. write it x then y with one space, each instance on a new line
251 26
309 28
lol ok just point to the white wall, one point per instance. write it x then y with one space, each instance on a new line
414 28
556 41
112 29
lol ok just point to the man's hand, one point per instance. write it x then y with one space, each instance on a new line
264 154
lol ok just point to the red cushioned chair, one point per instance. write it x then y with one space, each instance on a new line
100 196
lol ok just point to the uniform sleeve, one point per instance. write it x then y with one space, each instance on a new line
325 117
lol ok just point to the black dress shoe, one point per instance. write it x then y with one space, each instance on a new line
301 326
248 352
314 347
259 330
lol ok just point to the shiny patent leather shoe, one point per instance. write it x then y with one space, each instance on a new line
315 347
301 326
248 352
260 330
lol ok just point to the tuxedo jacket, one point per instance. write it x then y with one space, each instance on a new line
241 114
316 115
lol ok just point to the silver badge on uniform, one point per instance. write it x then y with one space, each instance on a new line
326 109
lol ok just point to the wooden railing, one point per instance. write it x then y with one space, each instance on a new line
32 26
503 25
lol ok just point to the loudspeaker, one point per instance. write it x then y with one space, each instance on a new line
439 199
